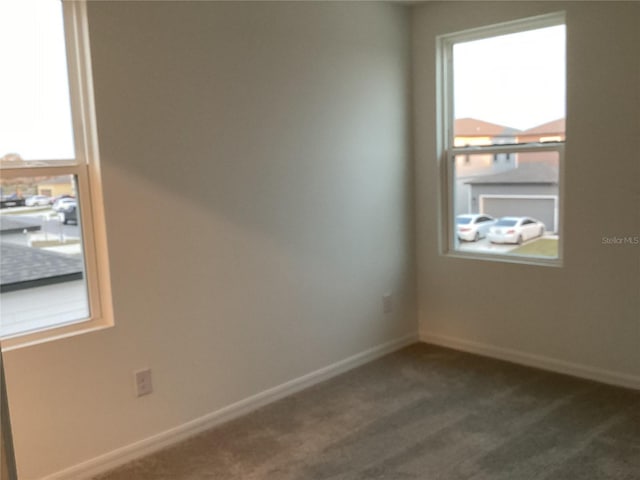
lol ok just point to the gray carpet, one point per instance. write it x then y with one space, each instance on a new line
424 412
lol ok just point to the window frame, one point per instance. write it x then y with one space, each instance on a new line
447 151
86 169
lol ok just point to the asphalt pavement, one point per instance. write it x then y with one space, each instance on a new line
47 219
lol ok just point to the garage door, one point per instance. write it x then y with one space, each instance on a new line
543 209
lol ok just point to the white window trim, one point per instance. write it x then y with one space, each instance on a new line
86 167
447 151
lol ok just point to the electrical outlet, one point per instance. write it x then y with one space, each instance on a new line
387 303
142 379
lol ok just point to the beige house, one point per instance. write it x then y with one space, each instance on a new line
474 132
56 187
547 132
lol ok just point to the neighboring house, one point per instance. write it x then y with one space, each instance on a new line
469 132
547 132
57 186
531 189
522 184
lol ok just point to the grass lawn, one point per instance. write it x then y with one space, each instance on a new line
543 247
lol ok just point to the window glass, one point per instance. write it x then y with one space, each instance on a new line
42 271
34 87
510 88
529 188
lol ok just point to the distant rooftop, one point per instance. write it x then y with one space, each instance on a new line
25 267
472 127
554 127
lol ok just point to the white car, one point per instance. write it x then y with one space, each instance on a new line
515 230
473 226
63 203
37 200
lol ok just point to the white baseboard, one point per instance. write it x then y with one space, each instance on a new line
174 435
537 361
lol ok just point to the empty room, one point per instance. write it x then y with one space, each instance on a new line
320 240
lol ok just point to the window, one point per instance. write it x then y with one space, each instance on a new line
502 130
54 278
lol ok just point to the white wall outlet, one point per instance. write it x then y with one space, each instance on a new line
142 379
387 303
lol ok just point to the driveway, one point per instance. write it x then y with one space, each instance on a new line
483 245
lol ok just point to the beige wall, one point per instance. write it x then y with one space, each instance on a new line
257 193
586 315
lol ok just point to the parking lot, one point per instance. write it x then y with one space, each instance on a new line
43 229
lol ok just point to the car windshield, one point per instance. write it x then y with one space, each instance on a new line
463 220
506 223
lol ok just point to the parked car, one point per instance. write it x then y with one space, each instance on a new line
515 230
37 200
60 197
64 195
69 213
12 200
473 226
59 204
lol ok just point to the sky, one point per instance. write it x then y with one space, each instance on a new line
515 80
35 116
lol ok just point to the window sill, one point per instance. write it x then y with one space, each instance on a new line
513 258
68 308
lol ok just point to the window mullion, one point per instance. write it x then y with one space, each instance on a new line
48 171
508 148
